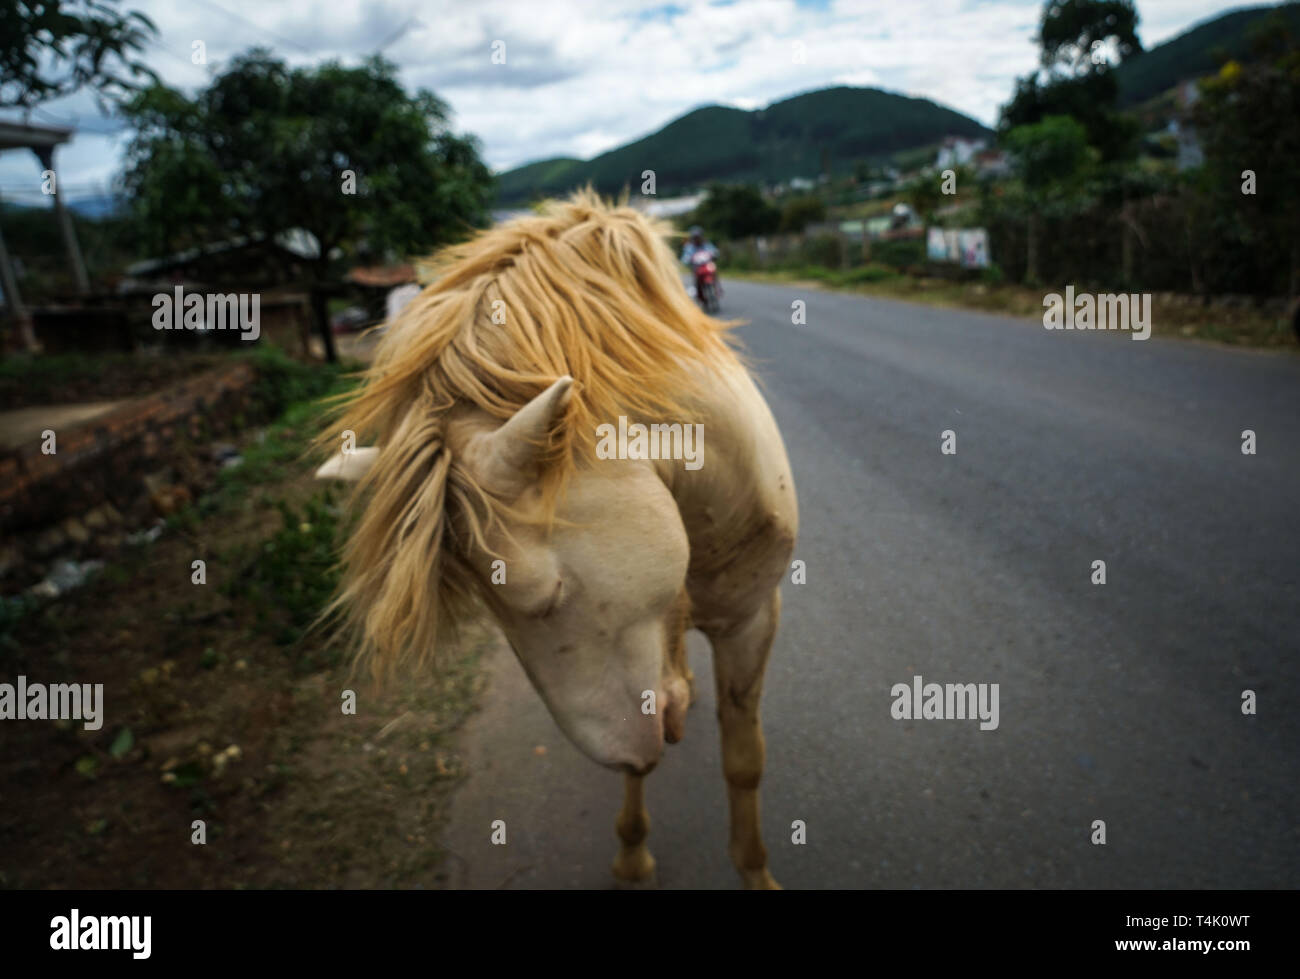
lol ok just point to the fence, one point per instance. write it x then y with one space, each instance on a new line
829 245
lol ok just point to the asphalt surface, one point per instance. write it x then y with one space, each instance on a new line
1118 702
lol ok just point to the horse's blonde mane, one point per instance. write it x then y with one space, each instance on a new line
583 288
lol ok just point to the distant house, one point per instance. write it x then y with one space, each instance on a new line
383 287
239 259
668 207
900 222
1190 153
1188 93
382 276
958 151
992 163
878 225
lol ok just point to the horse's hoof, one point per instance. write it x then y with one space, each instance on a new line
635 870
650 883
760 880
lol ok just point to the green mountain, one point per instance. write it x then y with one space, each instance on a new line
797 137
1197 52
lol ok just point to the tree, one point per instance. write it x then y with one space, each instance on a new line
926 193
1053 159
1081 42
343 153
1119 188
737 211
50 48
799 212
1091 99
1083 38
1051 154
1246 120
924 196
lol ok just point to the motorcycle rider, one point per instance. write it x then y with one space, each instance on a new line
696 242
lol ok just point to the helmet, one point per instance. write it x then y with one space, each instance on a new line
696 231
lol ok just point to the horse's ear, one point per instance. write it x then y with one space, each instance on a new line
508 455
349 467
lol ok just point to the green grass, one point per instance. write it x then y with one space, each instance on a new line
54 378
55 369
297 390
282 381
288 577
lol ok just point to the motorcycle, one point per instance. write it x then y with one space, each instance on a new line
707 289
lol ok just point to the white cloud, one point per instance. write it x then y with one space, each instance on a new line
584 76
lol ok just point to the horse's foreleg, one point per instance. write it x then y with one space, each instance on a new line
633 865
739 659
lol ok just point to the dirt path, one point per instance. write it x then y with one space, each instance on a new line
24 425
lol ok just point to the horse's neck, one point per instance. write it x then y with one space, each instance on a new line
744 466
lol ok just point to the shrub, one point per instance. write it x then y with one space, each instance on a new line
798 212
870 273
824 250
899 253
293 573
281 380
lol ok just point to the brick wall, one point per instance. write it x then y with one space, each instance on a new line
106 457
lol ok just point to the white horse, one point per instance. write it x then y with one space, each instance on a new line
487 483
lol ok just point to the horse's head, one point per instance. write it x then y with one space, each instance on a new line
592 602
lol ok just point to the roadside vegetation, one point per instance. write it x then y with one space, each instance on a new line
223 705
1240 324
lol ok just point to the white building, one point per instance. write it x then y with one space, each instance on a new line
957 151
667 207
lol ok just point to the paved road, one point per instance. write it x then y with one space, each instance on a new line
1118 702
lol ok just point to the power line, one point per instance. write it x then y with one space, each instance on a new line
412 22
258 27
205 69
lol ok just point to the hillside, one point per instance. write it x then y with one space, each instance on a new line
787 139
1197 52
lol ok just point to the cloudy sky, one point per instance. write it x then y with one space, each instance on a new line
584 76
